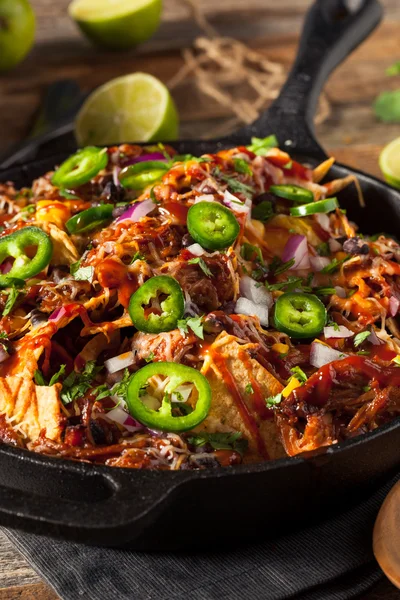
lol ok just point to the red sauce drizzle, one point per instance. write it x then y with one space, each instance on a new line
115 275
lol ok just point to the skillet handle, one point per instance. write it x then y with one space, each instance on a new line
79 501
332 30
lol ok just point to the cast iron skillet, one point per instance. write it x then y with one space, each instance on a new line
153 510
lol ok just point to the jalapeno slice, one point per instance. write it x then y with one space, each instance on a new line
140 175
321 206
163 418
212 225
15 246
295 193
90 219
164 313
299 315
81 167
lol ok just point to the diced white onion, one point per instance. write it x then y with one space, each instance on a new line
118 415
205 198
182 393
196 250
394 304
247 307
334 245
235 204
319 262
340 331
323 221
340 291
254 291
117 363
321 355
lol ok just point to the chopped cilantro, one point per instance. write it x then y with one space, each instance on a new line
81 273
273 400
324 291
351 292
366 388
323 249
289 285
40 380
260 146
118 389
334 265
202 264
75 385
249 389
278 267
38 377
56 377
242 166
150 357
299 374
137 256
234 184
68 195
360 338
220 441
263 211
250 252
334 325
11 300
193 323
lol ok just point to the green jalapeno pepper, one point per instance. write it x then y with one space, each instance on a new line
142 174
295 193
15 246
212 225
299 315
321 206
89 219
81 167
163 418
170 309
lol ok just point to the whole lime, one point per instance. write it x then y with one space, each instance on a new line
17 32
117 24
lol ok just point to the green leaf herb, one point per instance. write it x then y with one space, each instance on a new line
40 380
242 166
11 300
278 267
193 323
137 256
81 273
75 385
360 338
387 106
150 357
202 264
323 249
249 389
299 374
220 441
250 252
334 265
263 211
273 400
260 146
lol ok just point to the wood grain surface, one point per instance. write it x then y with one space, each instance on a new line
351 133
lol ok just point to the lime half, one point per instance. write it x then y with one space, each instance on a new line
389 162
132 108
117 24
17 32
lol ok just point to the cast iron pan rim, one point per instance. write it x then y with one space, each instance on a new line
323 454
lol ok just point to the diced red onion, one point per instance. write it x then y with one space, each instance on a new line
144 157
297 248
394 304
323 221
137 210
254 291
6 266
334 245
196 250
58 314
340 291
117 363
319 262
247 307
373 338
205 198
321 355
235 204
118 415
3 354
340 331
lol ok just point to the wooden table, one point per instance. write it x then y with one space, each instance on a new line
352 133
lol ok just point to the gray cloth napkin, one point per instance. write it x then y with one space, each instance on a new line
329 561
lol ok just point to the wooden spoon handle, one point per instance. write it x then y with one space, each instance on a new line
386 536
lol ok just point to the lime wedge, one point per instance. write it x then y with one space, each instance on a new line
132 108
117 24
389 162
17 32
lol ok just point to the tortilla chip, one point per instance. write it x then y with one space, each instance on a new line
229 368
64 250
31 408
